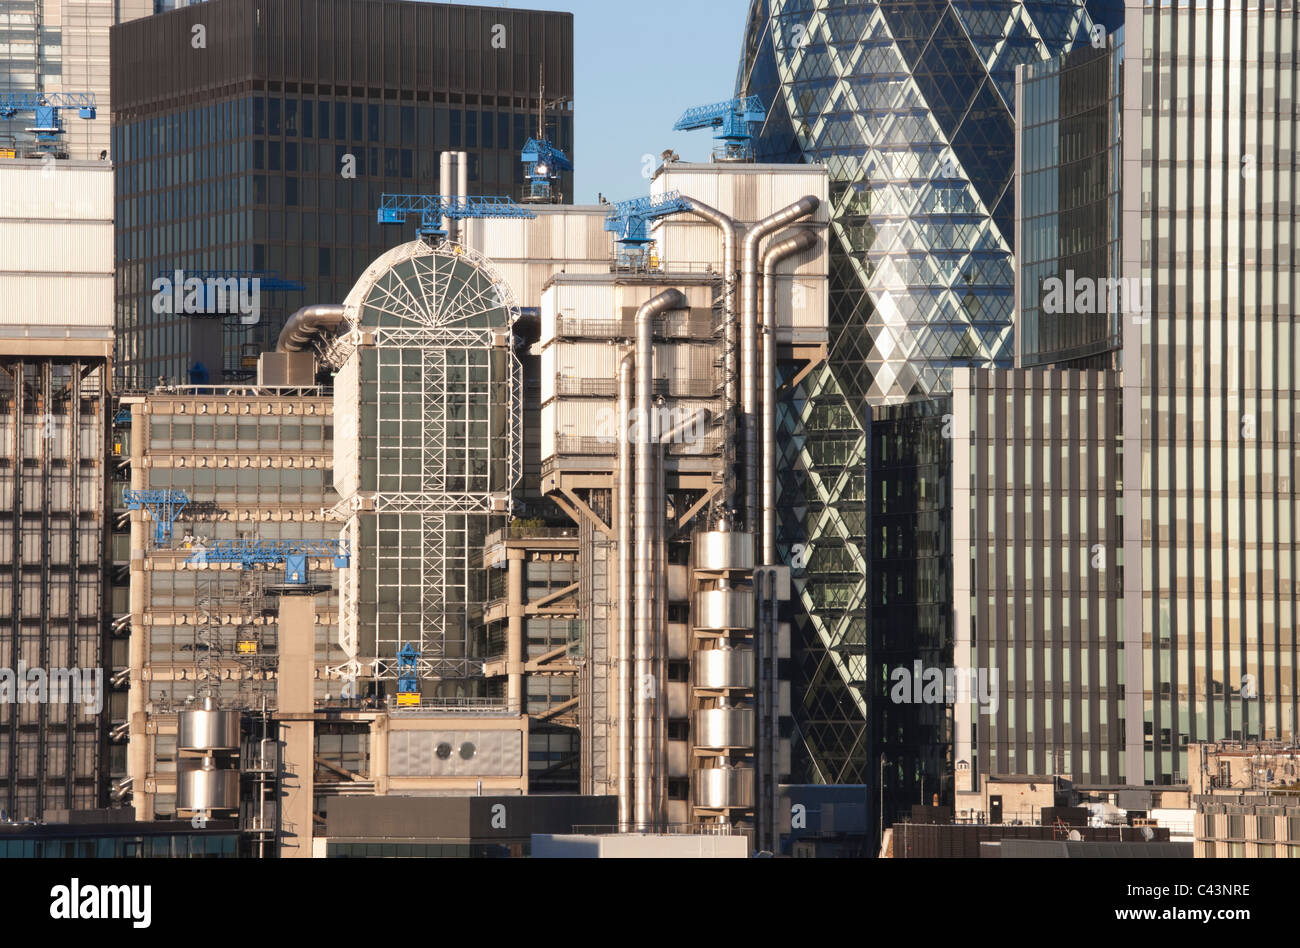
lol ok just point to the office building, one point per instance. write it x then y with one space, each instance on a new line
1170 478
910 107
61 47
56 339
263 155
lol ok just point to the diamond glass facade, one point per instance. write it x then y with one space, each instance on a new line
910 105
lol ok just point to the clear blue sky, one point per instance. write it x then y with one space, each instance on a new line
640 64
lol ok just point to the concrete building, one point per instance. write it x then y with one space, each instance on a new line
1247 800
56 338
264 153
482 827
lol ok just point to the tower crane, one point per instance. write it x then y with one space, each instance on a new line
734 139
630 221
543 164
164 506
48 127
432 208
292 553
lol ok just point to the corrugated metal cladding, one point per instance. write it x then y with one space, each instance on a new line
747 193
333 42
585 301
563 235
455 753
56 301
586 360
57 247
65 190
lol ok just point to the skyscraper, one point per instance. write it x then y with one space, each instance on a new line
255 139
56 339
1164 519
909 103
61 47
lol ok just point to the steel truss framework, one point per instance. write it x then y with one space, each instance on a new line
446 303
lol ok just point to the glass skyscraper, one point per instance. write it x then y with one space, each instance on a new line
909 103
1158 524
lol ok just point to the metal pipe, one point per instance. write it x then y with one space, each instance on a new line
625 368
306 323
462 186
749 340
660 762
729 241
446 184
646 686
779 249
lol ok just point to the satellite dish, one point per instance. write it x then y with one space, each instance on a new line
1076 836
1148 833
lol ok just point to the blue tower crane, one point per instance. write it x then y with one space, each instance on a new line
543 164
164 506
292 553
432 208
630 221
48 127
734 139
408 680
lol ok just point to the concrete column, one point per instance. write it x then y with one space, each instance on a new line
295 699
379 754
515 631
138 752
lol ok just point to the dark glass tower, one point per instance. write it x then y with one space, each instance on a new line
910 105
268 148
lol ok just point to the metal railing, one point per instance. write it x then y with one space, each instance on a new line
695 387
665 327
573 444
452 706
667 829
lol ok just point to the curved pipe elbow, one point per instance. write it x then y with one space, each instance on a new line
308 322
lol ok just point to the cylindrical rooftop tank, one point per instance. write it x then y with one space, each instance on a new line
207 729
722 728
205 787
724 787
723 550
724 609
724 668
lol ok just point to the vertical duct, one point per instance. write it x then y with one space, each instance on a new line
780 249
729 238
625 529
462 184
646 451
749 341
446 184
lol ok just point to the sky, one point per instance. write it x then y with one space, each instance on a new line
639 65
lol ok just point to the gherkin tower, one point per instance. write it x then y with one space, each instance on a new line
909 105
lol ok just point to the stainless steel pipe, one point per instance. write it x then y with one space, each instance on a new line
647 684
749 341
307 322
625 368
779 249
